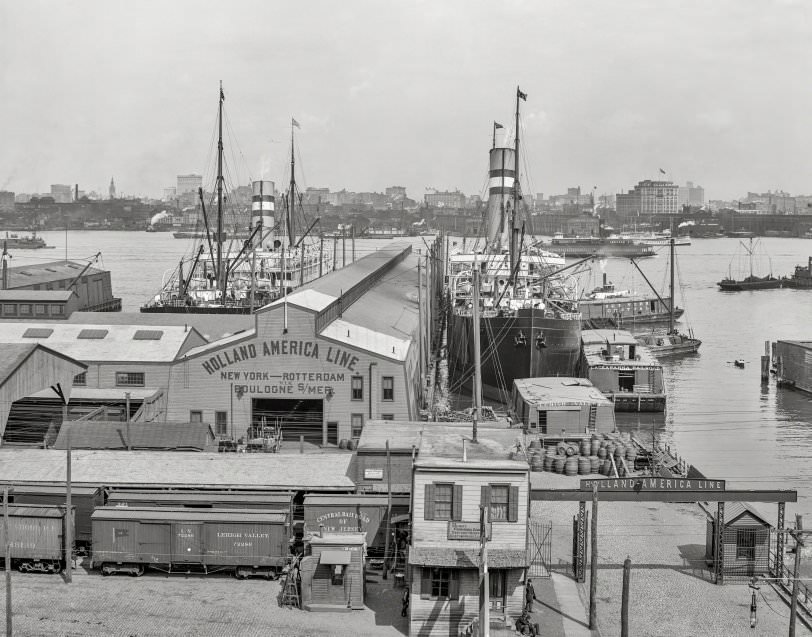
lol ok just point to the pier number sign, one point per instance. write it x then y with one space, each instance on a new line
654 484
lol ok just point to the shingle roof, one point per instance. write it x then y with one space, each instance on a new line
734 510
104 434
278 472
466 558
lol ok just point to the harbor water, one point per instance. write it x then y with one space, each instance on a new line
720 418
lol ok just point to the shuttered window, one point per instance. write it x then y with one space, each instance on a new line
443 501
501 502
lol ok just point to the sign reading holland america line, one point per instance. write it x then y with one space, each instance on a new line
654 484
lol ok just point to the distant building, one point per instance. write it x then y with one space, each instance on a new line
61 193
6 201
189 183
170 193
649 198
772 203
112 189
22 197
690 195
445 199
396 192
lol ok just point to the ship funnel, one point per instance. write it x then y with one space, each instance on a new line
262 210
500 190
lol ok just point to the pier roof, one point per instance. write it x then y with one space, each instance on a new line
211 326
322 472
596 344
26 275
559 390
36 296
99 343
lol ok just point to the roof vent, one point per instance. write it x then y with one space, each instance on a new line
148 335
37 332
93 334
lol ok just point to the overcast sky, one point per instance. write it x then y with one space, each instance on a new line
404 93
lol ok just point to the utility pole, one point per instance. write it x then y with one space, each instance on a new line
68 519
593 565
484 585
624 605
127 407
793 609
477 354
8 561
388 507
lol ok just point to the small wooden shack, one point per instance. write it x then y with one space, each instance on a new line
793 361
554 404
333 572
745 539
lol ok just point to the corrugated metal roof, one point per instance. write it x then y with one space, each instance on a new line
465 558
211 326
117 345
36 296
560 390
279 472
171 514
492 444
27 510
402 435
37 274
223 342
106 434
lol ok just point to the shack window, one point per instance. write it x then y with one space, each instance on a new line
388 386
356 425
195 416
57 310
25 309
129 379
9 309
357 388
221 423
443 501
746 544
439 583
80 379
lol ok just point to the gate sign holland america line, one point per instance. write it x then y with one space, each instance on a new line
653 484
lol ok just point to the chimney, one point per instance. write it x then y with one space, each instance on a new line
464 451
76 191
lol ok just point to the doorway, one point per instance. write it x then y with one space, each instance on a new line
295 417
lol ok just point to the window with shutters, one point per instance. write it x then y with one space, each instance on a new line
498 510
443 501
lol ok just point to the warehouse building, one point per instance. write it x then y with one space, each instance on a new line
349 347
561 404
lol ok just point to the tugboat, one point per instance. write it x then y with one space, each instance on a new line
29 242
250 272
750 282
530 324
801 278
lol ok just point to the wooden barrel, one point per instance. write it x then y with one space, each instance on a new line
549 461
584 465
535 444
601 453
571 466
561 448
342 444
352 444
558 464
593 447
620 451
631 453
537 463
572 449
604 443
594 464
585 447
606 468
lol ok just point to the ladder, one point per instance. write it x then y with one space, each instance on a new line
593 416
290 592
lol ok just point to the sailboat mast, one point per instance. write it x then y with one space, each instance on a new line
221 283
671 289
513 246
291 192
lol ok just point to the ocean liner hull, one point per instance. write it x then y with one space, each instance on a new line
525 345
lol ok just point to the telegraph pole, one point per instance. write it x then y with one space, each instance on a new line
68 520
8 561
793 609
593 565
477 353
484 585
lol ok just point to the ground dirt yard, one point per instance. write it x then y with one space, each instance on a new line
157 604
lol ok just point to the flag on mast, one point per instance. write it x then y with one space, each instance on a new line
497 125
520 94
662 171
293 122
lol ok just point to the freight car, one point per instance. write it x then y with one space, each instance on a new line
172 539
357 512
36 538
83 499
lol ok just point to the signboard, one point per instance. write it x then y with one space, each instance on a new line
467 531
373 474
654 484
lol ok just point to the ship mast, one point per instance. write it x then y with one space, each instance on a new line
671 289
514 249
221 283
291 192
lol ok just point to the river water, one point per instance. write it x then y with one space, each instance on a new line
719 417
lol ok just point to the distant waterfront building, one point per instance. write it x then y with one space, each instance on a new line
649 198
61 193
772 203
187 189
170 193
112 189
396 192
22 197
6 201
690 195
444 199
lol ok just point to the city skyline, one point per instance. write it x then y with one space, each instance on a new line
707 93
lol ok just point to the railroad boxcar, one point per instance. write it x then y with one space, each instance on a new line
83 500
37 537
172 539
356 512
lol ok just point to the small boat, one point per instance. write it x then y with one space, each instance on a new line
28 242
751 281
801 278
739 363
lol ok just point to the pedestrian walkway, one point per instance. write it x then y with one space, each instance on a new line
558 609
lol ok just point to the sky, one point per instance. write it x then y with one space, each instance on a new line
718 92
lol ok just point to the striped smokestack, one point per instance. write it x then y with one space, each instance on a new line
262 209
500 191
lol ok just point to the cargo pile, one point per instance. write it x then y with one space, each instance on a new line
602 453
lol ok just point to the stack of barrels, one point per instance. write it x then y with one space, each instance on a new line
593 455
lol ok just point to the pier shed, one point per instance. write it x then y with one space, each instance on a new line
793 360
333 574
625 371
554 404
746 538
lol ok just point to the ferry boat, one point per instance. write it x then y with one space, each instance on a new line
606 305
580 247
28 242
249 273
530 324
801 278
751 281
655 239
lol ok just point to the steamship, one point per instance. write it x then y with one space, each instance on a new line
239 275
530 324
